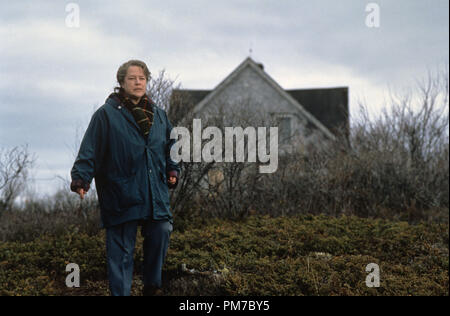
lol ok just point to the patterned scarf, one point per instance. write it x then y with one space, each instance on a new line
142 112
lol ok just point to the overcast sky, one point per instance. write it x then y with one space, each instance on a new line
53 76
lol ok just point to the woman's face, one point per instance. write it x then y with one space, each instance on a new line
135 83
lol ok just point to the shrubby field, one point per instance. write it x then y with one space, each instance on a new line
259 255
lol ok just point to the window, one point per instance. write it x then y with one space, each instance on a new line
284 129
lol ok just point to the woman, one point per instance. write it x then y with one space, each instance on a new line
126 148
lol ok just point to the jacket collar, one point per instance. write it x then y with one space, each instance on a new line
115 102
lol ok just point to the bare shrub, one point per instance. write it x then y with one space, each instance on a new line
406 148
397 165
160 89
219 189
15 164
394 166
54 214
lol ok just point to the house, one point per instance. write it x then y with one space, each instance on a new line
305 117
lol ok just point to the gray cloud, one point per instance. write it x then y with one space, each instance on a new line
52 77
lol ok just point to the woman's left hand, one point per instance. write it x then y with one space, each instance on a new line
172 180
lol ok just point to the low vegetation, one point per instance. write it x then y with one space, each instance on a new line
260 255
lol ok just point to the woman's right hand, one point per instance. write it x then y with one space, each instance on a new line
81 192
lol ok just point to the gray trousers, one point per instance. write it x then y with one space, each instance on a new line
120 243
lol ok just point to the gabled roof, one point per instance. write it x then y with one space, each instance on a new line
325 108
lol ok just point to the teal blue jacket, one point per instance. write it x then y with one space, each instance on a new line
130 171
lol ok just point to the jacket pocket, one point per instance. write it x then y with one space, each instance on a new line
121 193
